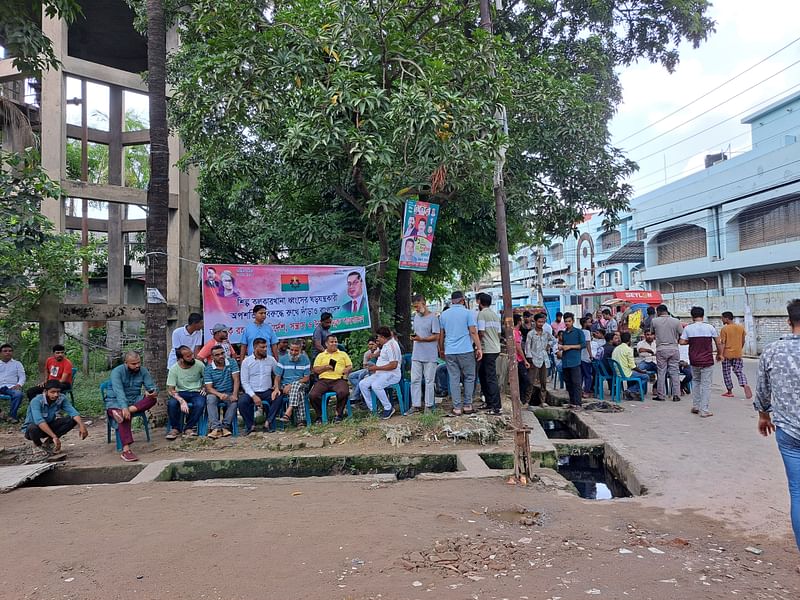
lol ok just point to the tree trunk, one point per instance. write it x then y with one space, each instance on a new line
376 289
155 348
402 308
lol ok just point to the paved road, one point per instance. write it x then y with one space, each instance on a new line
718 466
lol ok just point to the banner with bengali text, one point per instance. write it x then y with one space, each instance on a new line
295 296
418 227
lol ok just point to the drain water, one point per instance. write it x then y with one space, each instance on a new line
591 478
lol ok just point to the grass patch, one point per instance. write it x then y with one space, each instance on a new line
86 391
431 419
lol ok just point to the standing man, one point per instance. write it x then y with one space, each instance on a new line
459 331
221 378
668 331
12 378
587 372
187 394
42 420
385 372
332 367
423 355
647 324
778 404
190 335
732 336
57 368
258 329
489 334
291 379
537 354
558 325
699 335
125 398
219 337
572 342
321 333
256 379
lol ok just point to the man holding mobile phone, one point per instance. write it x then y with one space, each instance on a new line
332 367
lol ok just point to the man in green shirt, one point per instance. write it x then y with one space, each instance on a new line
489 333
187 394
623 354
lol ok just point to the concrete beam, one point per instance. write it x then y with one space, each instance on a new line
97 136
135 138
110 193
128 225
7 69
106 312
102 74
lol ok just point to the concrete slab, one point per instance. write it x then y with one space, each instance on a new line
14 476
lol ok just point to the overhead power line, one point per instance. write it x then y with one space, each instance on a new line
711 91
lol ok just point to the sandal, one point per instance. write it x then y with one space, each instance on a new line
284 419
456 412
469 411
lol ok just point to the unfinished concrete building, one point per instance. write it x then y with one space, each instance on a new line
84 110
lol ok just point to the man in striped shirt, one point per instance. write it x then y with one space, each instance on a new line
221 378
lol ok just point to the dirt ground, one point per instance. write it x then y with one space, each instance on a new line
460 539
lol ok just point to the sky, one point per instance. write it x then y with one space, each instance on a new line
746 33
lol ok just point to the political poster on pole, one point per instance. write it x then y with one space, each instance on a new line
418 227
294 295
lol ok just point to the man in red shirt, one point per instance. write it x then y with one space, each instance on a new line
57 368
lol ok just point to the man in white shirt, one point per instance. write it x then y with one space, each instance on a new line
647 352
256 380
12 378
190 335
385 372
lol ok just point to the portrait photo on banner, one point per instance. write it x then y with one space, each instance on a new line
418 227
294 295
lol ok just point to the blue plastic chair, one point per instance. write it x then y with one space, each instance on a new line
600 378
619 379
112 424
327 397
202 426
401 400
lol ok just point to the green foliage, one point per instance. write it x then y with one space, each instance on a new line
34 261
21 32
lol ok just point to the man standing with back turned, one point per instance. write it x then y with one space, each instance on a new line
778 405
668 331
732 336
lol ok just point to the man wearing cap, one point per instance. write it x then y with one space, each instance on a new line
219 337
459 331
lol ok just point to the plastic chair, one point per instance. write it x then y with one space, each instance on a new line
619 379
112 424
202 426
401 400
600 378
327 397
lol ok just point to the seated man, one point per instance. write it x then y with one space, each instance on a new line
256 378
623 354
291 379
219 337
57 368
12 378
647 352
385 372
332 367
685 370
221 379
369 358
124 398
187 394
42 420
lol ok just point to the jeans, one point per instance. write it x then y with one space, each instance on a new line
378 382
487 374
790 452
572 380
638 386
650 367
59 425
16 399
355 378
213 404
442 381
423 370
459 365
587 376
702 387
197 404
247 408
524 381
667 361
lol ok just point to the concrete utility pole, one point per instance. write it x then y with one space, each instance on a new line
522 452
540 274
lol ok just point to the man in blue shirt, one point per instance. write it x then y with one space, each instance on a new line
459 331
124 399
572 342
43 423
221 378
291 380
259 328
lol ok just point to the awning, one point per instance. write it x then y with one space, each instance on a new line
635 297
632 252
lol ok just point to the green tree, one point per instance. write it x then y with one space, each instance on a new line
332 113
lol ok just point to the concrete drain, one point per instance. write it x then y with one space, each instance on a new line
64 475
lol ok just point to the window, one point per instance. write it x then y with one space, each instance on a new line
766 225
522 261
618 278
558 283
610 240
640 235
634 277
681 243
769 277
557 252
605 279
689 285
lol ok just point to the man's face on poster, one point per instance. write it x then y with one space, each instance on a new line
355 286
409 249
211 276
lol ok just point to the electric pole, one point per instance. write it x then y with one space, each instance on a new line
522 453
